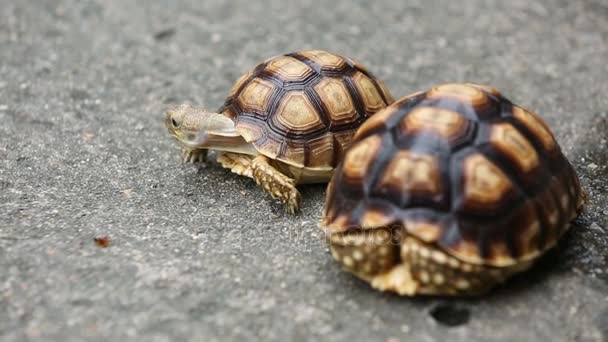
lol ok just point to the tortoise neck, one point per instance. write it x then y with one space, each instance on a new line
216 124
234 144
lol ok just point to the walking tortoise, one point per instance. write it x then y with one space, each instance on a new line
287 121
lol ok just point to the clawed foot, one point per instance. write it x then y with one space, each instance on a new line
285 191
292 201
398 279
194 156
278 185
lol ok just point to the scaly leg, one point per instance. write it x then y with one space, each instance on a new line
237 163
392 261
370 255
277 184
193 156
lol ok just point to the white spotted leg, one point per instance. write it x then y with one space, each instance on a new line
370 254
393 261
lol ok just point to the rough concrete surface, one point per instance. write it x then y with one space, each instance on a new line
204 255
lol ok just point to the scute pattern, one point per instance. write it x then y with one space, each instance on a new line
373 101
324 59
440 122
288 68
485 184
255 95
361 158
291 105
510 142
411 173
336 98
296 112
537 126
461 167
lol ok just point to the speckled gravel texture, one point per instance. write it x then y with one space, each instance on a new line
204 255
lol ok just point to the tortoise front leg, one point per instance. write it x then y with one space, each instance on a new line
277 184
372 255
194 155
237 163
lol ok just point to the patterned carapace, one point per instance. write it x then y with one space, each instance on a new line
303 108
462 170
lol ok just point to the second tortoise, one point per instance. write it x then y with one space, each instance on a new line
449 192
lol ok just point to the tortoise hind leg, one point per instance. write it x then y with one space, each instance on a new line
277 184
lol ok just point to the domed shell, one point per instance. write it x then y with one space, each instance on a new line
462 167
303 108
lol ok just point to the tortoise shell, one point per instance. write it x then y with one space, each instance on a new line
303 108
462 168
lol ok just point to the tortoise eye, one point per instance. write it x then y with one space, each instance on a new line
174 123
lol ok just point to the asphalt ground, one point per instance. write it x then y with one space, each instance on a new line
201 254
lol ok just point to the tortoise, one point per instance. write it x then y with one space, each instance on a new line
287 121
449 192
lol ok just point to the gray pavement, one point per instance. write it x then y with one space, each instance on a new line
204 255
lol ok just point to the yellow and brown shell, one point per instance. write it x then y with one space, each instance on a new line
461 168
303 108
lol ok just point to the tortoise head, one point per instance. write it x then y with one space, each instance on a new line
195 127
